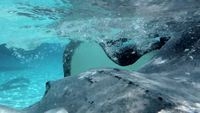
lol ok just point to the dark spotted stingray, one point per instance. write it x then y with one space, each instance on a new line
167 83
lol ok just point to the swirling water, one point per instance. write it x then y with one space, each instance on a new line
56 20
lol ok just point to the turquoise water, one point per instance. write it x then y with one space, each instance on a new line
26 63
23 81
91 55
34 35
26 24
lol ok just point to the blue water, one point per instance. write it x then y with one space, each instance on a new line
34 33
23 76
28 23
33 52
33 37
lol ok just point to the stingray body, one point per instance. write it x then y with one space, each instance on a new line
168 83
123 51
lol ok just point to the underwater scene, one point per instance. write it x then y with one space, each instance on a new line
99 56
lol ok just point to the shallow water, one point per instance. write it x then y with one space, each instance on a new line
26 25
23 82
34 34
24 73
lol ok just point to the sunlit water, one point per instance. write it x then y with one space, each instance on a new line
26 24
23 79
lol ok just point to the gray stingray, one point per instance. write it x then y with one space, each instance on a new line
169 83
123 52
67 56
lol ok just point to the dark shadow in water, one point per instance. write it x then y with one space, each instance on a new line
14 59
20 82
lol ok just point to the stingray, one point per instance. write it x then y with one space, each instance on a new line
122 52
169 83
